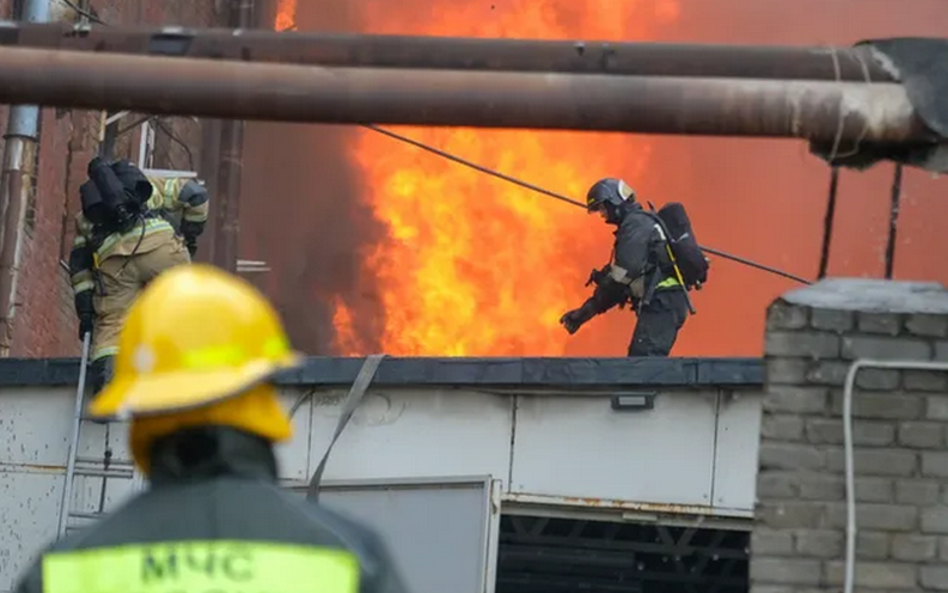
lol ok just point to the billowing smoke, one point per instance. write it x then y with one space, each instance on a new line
303 213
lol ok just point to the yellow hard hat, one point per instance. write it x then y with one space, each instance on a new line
195 336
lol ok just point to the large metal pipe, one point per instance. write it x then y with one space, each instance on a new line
16 185
230 166
664 105
457 53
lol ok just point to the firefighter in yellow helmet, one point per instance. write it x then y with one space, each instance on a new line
193 373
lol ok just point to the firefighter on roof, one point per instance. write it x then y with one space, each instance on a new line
199 350
641 272
131 228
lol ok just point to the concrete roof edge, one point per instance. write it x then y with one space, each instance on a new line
546 373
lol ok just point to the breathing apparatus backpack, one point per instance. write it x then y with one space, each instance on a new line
115 196
684 246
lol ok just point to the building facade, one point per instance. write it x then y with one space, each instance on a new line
484 475
44 323
558 474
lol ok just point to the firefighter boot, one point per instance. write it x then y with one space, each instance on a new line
100 373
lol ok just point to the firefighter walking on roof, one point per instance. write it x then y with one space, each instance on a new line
131 229
644 269
198 354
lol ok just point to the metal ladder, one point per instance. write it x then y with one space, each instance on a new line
104 468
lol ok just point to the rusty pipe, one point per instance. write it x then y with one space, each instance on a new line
816 110
230 165
16 188
16 183
459 53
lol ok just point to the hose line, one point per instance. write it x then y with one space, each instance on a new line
562 198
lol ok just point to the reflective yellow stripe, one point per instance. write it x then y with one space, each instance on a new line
275 347
81 275
215 357
152 225
103 352
670 281
674 261
224 566
82 286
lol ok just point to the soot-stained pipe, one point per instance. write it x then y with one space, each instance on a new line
813 110
230 166
461 53
16 186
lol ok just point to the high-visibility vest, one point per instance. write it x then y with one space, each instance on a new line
227 566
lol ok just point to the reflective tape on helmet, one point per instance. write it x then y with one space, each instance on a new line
219 566
217 357
213 358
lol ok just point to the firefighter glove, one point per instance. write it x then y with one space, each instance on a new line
575 319
192 244
86 323
85 311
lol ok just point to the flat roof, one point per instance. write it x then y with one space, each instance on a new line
547 373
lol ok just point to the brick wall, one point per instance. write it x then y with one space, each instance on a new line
899 433
45 322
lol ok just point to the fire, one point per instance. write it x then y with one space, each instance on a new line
285 16
346 339
474 265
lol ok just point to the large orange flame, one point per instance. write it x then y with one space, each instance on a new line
473 265
285 15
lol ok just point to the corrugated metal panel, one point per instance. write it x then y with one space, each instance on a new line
29 503
411 433
441 532
735 456
572 449
580 447
293 456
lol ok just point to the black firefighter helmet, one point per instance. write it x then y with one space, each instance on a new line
608 196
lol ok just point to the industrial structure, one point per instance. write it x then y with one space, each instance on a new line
549 474
463 464
594 474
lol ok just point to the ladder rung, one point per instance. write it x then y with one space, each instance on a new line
99 461
91 516
103 473
94 420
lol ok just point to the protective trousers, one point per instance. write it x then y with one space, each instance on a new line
122 277
658 323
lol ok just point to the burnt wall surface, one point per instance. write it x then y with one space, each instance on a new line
900 421
45 323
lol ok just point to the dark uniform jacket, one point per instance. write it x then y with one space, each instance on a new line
220 523
637 253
